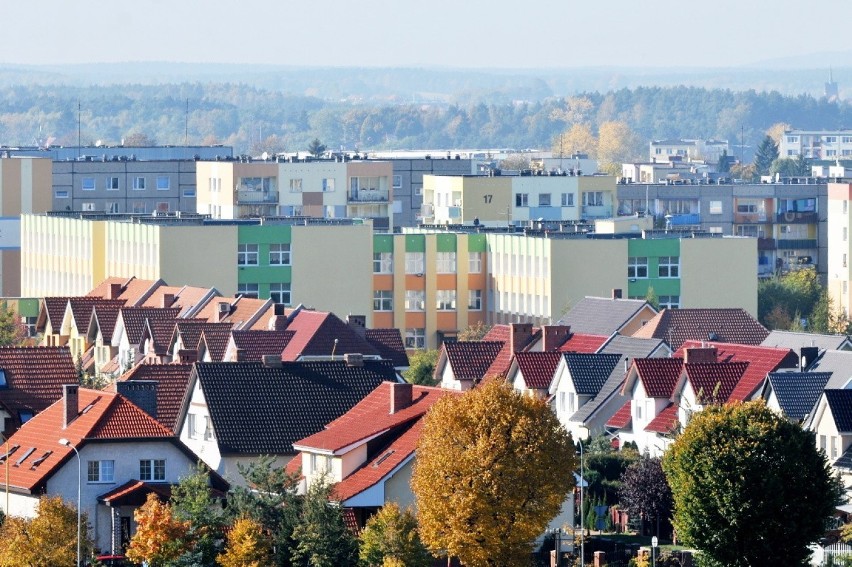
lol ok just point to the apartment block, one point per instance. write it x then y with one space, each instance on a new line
816 144
687 150
840 252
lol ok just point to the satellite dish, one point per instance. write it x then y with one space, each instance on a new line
264 156
99 143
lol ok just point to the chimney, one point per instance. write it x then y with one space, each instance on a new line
358 323
188 355
70 402
400 396
520 334
114 290
353 359
168 299
143 394
554 336
807 357
223 309
273 361
704 354
240 355
616 293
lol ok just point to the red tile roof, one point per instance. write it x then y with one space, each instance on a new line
472 360
503 333
185 298
134 319
538 368
676 326
578 342
134 493
172 381
105 314
622 417
82 307
714 382
132 291
762 360
254 345
659 376
315 334
243 312
216 342
160 331
666 421
189 331
52 311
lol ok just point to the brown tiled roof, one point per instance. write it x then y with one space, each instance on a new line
215 339
160 331
134 493
243 313
659 376
538 368
714 382
665 422
172 381
315 333
254 345
622 417
82 307
185 298
503 360
389 344
54 312
134 319
189 331
728 325
105 314
578 342
133 290
471 360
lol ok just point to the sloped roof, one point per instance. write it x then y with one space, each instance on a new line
186 298
622 417
105 314
160 331
503 360
590 371
659 375
102 416
798 392
838 363
840 403
82 307
133 290
134 319
610 392
579 342
243 313
274 407
794 340
189 331
631 347
713 382
315 333
54 311
845 460
665 422
724 325
254 345
762 360
538 368
388 342
602 315
215 340
471 360
172 382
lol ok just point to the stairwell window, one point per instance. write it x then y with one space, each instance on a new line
474 265
382 300
382 262
446 262
414 262
247 255
669 267
637 267
280 293
474 300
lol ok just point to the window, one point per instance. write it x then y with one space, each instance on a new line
415 300
111 183
474 300
830 139
189 192
328 184
571 402
845 206
152 469
279 254
846 139
445 299
383 300
544 200
844 260
280 292
830 153
418 191
522 200
397 181
139 183
414 262
792 139
162 207
87 206
140 207
100 471
192 426
209 434
638 410
382 262
446 263
295 186
669 301
163 183
474 262
248 290
415 338
88 184
637 267
715 207
669 266
593 199
833 447
60 194
567 199
845 233
247 254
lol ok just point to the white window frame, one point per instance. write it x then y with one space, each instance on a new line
139 183
382 262
474 262
280 292
168 183
567 199
544 199
415 337
668 267
383 300
522 199
279 254
328 184
60 194
247 254
637 267
397 181
296 185
474 300
249 290
445 263
669 301
103 472
445 300
414 262
192 426
415 300
112 183
87 184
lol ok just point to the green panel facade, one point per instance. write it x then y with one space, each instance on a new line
446 242
415 243
264 273
382 243
476 243
653 250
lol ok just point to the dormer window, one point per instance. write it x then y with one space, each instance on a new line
3 383
25 415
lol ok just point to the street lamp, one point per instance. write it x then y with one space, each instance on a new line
582 535
654 542
65 442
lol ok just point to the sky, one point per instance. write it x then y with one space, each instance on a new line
423 33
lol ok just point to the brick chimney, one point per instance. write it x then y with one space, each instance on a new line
519 335
554 336
240 355
223 309
114 290
70 403
354 359
358 323
703 354
168 299
616 293
400 396
143 394
188 355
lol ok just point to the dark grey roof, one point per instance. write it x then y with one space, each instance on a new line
795 340
601 315
797 392
840 403
631 347
845 460
611 389
590 371
838 363
256 409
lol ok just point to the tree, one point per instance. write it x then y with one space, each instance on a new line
776 131
644 491
783 300
766 154
652 298
48 540
577 139
138 140
159 538
749 487
391 535
270 499
322 538
421 367
724 162
474 332
515 161
13 331
617 144
192 503
492 468
248 545
316 148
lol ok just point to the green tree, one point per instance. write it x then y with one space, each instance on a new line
492 468
270 499
13 332
652 298
766 154
733 474
781 298
474 332
391 534
316 148
322 538
191 502
48 540
421 367
724 163
644 491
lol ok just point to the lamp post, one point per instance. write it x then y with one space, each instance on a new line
654 542
582 535
65 442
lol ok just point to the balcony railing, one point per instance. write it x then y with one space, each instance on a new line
797 217
766 244
369 196
797 243
249 196
751 218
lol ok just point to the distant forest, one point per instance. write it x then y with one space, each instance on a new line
254 119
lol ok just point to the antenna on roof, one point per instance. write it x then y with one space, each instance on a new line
334 348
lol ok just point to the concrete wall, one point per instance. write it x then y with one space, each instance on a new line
719 273
203 256
60 256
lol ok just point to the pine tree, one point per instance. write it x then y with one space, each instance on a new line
323 540
767 152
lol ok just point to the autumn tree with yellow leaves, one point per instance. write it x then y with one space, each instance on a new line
159 536
48 540
493 467
248 545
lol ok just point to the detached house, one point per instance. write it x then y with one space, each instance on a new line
580 378
831 422
794 394
721 325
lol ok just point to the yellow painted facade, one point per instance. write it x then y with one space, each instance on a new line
839 250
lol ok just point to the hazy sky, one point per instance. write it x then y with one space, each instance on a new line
455 33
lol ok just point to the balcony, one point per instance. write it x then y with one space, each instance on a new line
795 217
766 243
797 244
368 196
685 219
596 211
246 196
546 213
751 218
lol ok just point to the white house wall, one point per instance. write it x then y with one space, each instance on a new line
207 450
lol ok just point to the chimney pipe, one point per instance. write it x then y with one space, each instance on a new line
401 396
616 293
554 336
168 299
520 335
114 290
70 403
705 354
